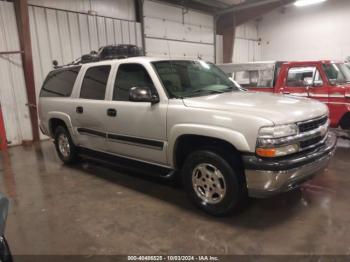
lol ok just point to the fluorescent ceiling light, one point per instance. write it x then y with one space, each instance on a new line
308 2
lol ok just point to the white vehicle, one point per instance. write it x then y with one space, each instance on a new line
187 116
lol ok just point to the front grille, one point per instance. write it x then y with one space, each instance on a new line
310 125
310 142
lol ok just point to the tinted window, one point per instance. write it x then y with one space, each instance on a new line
59 83
95 82
300 76
129 76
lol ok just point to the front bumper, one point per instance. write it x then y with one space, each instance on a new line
269 177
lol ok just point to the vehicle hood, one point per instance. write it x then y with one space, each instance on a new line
279 109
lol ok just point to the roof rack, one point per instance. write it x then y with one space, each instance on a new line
105 53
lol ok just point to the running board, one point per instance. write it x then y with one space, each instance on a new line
127 164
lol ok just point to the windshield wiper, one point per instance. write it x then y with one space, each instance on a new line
208 91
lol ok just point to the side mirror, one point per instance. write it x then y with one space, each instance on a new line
318 83
143 94
333 82
308 81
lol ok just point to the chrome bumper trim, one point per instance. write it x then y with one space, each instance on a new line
264 183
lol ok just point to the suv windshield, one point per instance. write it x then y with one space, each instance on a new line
193 78
337 73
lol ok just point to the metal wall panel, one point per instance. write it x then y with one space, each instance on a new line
173 32
175 49
122 9
125 32
246 51
247 46
13 96
64 36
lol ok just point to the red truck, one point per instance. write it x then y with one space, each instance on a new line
326 81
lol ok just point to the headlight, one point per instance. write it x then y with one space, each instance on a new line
271 141
278 131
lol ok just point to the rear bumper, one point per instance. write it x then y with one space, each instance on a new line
269 177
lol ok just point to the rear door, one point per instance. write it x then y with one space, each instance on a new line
90 108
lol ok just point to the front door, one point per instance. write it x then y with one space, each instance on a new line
138 129
298 80
318 89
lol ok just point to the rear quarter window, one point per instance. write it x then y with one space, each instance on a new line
59 83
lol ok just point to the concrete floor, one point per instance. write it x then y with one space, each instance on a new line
93 209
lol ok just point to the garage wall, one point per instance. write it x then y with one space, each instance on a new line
122 9
13 96
64 36
307 33
247 46
171 31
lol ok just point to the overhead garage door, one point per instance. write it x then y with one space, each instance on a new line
174 32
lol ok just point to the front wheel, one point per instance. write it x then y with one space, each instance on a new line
65 147
215 184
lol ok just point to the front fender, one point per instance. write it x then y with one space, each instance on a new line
235 138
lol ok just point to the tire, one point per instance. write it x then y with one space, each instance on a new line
345 122
65 147
207 171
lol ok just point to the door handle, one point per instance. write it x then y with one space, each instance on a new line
111 112
286 93
79 109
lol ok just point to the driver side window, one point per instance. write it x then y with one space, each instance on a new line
303 77
129 76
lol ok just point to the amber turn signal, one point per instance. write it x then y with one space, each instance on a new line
266 152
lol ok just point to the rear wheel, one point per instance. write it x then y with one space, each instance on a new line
215 184
65 147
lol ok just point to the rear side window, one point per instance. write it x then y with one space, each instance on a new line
95 82
59 83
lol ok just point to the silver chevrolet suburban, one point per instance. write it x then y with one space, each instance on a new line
187 116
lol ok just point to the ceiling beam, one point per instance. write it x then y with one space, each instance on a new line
193 5
213 3
247 5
